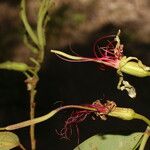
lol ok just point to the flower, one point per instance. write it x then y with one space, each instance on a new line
111 54
76 117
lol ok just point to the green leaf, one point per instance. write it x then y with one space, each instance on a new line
8 140
111 142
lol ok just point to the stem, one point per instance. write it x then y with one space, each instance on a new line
145 139
32 115
141 117
30 46
41 24
43 118
26 23
146 135
37 46
41 18
22 147
39 40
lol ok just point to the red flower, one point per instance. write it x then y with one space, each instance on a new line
76 117
109 55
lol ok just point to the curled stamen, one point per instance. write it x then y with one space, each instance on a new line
101 110
108 55
73 120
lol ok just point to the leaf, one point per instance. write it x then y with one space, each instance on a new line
8 140
111 142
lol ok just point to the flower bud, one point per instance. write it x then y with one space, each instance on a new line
17 66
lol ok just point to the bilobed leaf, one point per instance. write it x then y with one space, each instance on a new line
111 142
8 140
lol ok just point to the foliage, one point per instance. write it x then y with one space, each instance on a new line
9 140
111 142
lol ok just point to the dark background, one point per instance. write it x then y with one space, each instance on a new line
71 83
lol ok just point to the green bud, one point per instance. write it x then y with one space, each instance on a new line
133 66
17 66
123 113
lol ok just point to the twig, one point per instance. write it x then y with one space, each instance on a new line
145 139
38 38
32 115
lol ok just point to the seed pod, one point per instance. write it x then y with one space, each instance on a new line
123 113
134 69
17 66
133 66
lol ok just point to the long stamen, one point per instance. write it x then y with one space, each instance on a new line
108 55
101 110
98 40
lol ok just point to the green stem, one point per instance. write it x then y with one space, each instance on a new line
41 24
22 147
39 40
145 139
30 46
146 135
26 23
41 17
141 117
